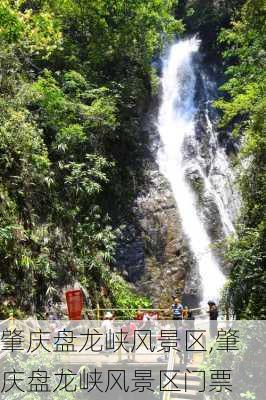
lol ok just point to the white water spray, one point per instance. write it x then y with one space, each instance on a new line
176 123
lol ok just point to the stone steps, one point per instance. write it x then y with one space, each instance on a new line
191 384
192 388
189 394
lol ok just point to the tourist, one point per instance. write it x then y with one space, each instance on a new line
108 329
213 315
185 312
182 344
139 314
128 329
177 310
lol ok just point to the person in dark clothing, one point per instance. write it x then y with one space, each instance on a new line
182 353
213 314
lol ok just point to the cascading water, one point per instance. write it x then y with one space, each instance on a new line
176 126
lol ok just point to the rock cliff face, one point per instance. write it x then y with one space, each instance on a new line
154 253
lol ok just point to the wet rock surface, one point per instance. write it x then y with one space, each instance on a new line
153 253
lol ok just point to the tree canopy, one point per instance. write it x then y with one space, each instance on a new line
74 79
244 114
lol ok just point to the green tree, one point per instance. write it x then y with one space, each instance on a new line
75 80
244 114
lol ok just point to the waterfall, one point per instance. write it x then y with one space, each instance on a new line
176 127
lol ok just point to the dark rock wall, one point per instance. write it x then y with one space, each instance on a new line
153 253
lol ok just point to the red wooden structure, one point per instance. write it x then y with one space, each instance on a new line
74 300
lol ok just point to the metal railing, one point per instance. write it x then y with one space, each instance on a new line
170 367
122 313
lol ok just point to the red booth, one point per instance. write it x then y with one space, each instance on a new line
74 300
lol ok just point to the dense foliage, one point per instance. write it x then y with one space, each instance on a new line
247 376
75 78
244 114
206 19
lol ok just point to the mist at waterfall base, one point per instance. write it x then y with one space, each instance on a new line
176 126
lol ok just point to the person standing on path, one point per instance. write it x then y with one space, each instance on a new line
108 330
213 314
177 309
